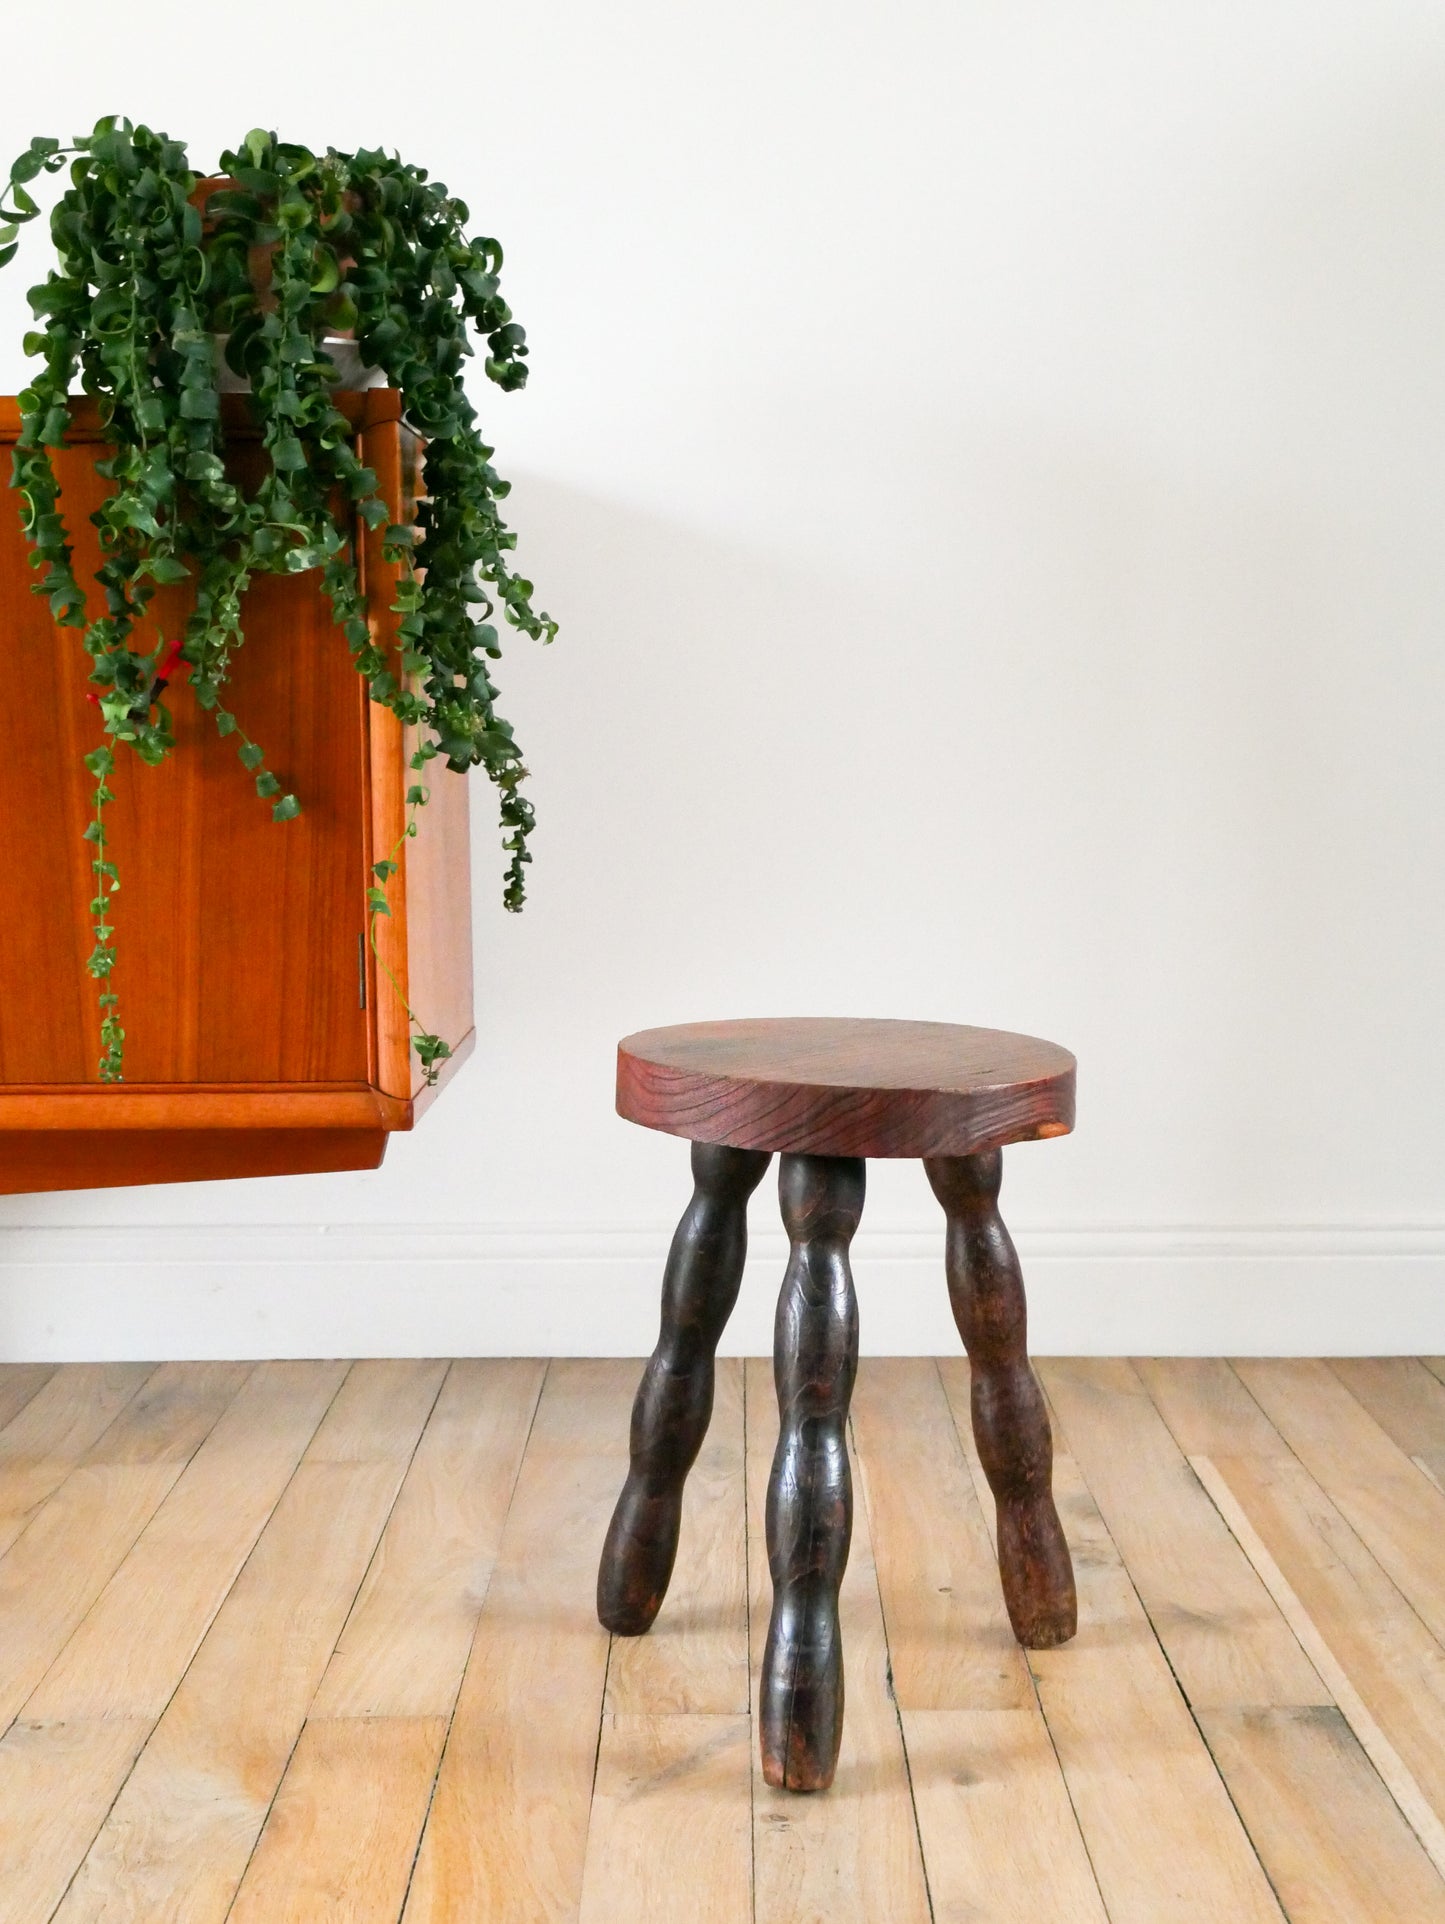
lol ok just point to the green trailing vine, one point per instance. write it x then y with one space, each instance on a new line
106 877
156 266
430 1049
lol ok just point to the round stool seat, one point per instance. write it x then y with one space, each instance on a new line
831 1086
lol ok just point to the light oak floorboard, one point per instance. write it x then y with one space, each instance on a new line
1207 1408
57 1781
1226 1641
58 1568
73 1545
405 1644
695 1657
1164 1839
131 1651
1394 1508
851 1853
45 1440
1337 1849
171 1415
19 1382
1403 1396
671 1815
1206 1403
1406 1400
1384 1668
341 1836
176 1843
71 1410
949 1639
507 1832
1000 1838
91 1713
379 1412
1367 1644
671 1818
994 1814
301 1630
1095 1553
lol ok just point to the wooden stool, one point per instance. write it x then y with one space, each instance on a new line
826 1094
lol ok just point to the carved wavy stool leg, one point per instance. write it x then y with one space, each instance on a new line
810 1494
674 1400
1010 1420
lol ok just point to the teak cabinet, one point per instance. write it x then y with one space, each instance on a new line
261 1038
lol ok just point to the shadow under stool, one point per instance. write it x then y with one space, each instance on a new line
826 1094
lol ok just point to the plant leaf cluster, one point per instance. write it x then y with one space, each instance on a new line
153 268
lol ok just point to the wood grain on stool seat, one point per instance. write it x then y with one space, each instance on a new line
827 1086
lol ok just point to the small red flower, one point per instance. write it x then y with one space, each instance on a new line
158 680
163 672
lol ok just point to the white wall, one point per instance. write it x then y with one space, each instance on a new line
988 459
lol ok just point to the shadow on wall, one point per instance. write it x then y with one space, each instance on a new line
1039 738
1141 758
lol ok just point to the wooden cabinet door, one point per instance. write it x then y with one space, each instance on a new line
261 1039
239 939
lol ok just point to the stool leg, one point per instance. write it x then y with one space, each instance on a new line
1010 1420
810 1493
674 1400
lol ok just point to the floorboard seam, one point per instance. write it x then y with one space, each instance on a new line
361 1581
1405 1598
96 1599
20 1411
461 1680
79 1463
985 1499
155 1722
1174 1675
902 1734
1389 1766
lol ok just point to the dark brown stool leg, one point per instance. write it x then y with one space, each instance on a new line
810 1493
674 1400
1010 1421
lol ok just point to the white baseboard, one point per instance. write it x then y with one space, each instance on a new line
134 1293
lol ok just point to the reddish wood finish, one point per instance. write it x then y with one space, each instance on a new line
1010 1418
241 969
828 1093
835 1087
297 1105
119 1158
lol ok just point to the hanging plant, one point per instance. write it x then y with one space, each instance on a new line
157 267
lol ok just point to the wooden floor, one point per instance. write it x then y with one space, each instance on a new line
293 1642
